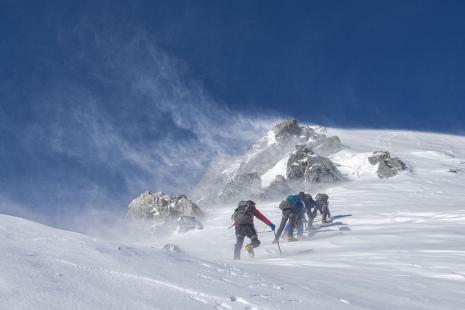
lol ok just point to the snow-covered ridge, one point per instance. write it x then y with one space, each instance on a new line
289 157
395 243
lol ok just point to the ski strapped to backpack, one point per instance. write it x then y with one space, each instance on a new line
243 214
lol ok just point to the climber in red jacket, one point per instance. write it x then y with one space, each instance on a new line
243 221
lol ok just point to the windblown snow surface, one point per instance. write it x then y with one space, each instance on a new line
394 244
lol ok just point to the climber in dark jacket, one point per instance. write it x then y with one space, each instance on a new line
322 204
243 221
310 209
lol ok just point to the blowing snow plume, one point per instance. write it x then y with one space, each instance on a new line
119 117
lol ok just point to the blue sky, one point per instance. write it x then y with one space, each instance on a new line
103 99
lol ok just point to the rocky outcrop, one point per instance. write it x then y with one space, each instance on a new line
313 168
286 129
243 187
388 166
240 177
162 213
169 247
275 145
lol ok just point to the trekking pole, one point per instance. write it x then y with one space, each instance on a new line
277 242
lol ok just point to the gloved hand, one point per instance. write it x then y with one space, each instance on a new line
272 226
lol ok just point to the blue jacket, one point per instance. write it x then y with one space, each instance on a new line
296 203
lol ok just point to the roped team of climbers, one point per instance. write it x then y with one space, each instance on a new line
294 209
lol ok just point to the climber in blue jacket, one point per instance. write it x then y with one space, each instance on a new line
308 205
291 208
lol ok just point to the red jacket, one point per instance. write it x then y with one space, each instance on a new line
260 216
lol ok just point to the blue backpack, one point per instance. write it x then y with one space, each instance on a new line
292 201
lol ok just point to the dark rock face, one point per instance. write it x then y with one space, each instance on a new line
297 163
322 170
286 129
388 166
265 153
242 186
161 212
305 164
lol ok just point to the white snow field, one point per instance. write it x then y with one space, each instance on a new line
395 243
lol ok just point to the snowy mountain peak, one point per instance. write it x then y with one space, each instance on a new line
292 155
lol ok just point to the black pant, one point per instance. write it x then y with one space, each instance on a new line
242 231
288 214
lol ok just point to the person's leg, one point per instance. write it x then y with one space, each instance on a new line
282 225
252 234
292 224
255 242
325 211
311 217
300 222
300 227
239 242
323 219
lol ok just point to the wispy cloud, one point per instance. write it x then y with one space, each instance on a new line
126 108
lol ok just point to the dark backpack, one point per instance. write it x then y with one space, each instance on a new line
285 204
243 214
321 198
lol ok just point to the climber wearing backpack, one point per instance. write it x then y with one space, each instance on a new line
322 205
307 204
243 221
291 207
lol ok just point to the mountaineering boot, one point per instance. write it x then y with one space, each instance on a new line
249 249
290 239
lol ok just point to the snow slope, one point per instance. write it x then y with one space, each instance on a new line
397 244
